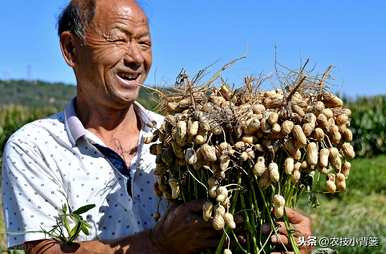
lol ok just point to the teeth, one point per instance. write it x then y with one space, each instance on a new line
129 76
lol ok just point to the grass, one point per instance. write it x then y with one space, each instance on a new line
359 212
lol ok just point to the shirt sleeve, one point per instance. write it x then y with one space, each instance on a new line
32 193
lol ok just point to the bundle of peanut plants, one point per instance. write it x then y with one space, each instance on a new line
250 153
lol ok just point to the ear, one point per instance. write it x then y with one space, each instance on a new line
68 46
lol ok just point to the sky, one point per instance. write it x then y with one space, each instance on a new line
193 34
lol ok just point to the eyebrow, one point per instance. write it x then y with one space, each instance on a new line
123 29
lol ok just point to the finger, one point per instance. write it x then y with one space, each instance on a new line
194 206
279 239
197 221
281 228
302 224
192 218
266 228
209 230
294 216
205 243
210 234
209 242
207 226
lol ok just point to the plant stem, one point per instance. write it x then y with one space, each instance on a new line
253 205
290 236
248 224
268 211
219 248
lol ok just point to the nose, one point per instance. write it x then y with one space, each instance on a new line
133 57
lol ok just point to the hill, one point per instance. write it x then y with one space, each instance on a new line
35 93
39 94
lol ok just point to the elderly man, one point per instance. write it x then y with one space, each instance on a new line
93 152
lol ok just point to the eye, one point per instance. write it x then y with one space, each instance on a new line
123 40
145 44
115 38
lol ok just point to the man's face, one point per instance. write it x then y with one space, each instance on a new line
116 57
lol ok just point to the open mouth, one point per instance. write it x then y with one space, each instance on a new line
129 78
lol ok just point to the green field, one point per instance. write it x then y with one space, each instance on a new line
360 211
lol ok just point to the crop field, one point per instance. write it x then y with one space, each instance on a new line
360 212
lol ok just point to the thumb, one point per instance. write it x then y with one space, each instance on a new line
294 216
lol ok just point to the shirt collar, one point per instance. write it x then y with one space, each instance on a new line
75 129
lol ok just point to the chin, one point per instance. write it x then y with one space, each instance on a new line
125 98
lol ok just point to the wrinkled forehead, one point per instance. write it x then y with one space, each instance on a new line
108 11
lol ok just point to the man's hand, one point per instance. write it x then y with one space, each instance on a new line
183 230
302 227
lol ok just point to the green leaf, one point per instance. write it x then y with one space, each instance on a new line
64 208
75 230
86 224
84 227
63 219
83 209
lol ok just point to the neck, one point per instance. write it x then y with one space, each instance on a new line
108 123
